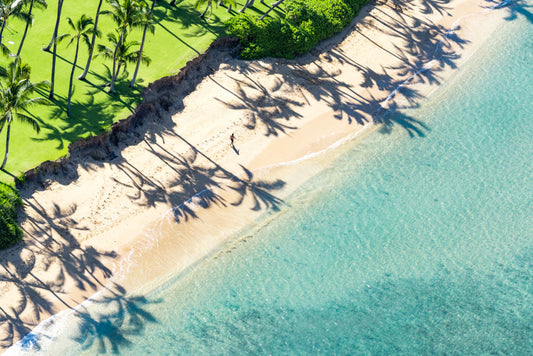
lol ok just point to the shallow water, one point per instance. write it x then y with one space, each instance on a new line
406 244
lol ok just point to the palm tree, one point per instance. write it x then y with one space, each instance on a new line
56 28
124 52
53 75
230 3
126 15
81 31
9 8
93 42
149 25
209 5
247 4
272 7
15 98
29 19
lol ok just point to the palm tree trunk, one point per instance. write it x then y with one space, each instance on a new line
2 127
205 11
28 22
114 74
274 5
7 146
54 35
132 84
246 5
2 29
93 42
51 96
221 3
72 76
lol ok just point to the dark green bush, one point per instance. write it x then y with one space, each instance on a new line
10 201
286 41
305 23
324 18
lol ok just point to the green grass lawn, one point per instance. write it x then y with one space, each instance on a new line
180 35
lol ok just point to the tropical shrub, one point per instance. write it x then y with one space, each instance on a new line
322 18
305 23
10 201
270 37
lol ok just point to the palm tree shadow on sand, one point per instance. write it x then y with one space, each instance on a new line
422 50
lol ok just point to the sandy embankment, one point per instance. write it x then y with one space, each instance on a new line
76 235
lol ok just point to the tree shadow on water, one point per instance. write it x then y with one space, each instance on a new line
107 324
28 295
389 119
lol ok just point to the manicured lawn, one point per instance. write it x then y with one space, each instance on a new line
180 36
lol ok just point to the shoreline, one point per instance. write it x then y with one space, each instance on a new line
281 106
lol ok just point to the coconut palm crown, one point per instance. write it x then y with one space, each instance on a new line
16 91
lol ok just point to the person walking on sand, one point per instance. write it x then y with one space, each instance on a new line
232 139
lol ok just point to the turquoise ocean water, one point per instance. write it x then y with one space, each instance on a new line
406 245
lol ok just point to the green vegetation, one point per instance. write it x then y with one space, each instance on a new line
179 36
80 31
305 23
10 201
16 97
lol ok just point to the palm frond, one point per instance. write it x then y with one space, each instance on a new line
4 49
60 38
71 23
85 38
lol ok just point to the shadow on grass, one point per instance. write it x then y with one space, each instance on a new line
91 116
189 18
